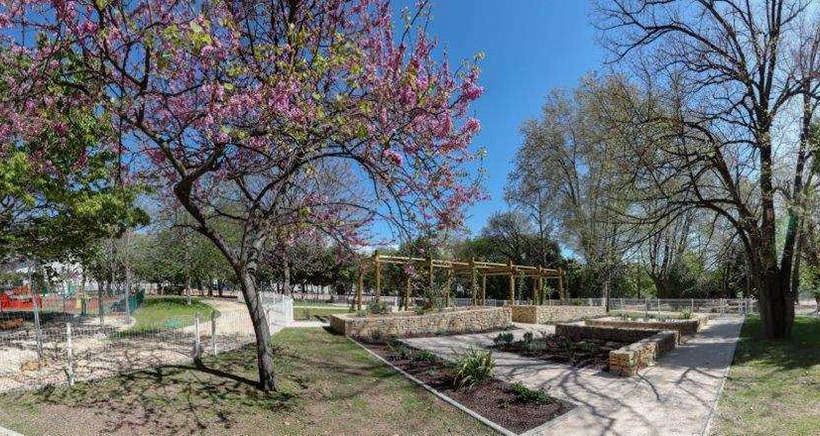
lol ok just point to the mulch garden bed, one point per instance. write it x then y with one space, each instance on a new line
11 324
586 353
493 399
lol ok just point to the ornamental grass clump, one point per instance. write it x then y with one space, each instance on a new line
473 368
377 307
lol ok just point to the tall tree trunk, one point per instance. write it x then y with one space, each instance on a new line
246 272
776 302
286 284
264 349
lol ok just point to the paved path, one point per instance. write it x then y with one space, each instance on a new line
6 432
674 397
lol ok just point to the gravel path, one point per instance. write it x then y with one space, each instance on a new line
674 397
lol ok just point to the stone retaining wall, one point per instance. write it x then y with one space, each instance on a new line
409 324
646 344
629 359
579 331
684 327
551 314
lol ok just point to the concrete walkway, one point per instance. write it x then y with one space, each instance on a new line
674 397
6 432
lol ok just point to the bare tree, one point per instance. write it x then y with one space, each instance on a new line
729 76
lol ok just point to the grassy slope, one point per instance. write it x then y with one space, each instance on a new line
157 310
310 313
773 386
328 386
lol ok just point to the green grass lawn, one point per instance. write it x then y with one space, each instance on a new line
651 315
328 385
773 386
170 312
310 313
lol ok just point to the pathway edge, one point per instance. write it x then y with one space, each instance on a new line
449 400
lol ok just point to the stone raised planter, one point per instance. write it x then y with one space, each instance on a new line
684 327
628 360
409 324
553 314
646 344
579 331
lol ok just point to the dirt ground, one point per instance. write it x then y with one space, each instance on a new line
104 351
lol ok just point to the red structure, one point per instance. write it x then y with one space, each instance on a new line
19 299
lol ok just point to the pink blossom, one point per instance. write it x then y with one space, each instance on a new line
392 156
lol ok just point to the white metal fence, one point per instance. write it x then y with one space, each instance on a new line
740 306
279 308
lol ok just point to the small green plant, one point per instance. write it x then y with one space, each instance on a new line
419 310
527 337
535 346
399 349
686 313
423 356
527 395
505 338
473 368
586 347
376 307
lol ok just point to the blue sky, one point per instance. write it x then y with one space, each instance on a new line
531 46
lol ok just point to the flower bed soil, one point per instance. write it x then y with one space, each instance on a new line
492 399
586 353
11 324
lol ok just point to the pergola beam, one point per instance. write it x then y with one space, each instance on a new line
471 269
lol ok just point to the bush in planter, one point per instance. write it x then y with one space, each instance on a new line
686 313
423 356
399 349
377 307
504 338
473 368
527 395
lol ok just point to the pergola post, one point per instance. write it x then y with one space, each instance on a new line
431 275
378 269
448 287
407 291
473 282
483 290
561 284
512 284
538 289
359 286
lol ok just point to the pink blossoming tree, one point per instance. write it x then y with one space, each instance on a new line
278 115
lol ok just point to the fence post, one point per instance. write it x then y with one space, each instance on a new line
693 306
213 332
69 355
197 345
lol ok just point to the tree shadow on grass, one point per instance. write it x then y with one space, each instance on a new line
801 351
215 396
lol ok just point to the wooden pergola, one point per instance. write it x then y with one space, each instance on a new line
472 269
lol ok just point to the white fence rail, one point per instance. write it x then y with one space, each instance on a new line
278 308
722 306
